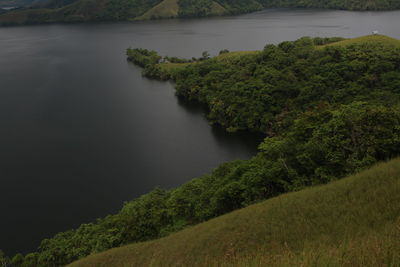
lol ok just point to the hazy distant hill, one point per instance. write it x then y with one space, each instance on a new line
48 11
35 3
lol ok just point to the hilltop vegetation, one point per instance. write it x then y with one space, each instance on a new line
329 108
49 11
266 91
369 39
352 222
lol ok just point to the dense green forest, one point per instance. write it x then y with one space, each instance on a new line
49 11
328 109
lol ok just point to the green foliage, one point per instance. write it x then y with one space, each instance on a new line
241 6
17 260
149 61
266 91
30 260
327 40
326 144
205 55
143 57
202 8
223 51
176 60
193 8
4 260
327 112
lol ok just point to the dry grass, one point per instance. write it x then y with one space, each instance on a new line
351 222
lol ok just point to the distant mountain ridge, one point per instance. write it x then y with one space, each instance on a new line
50 11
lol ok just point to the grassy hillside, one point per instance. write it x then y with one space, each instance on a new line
107 10
173 9
369 39
351 222
165 9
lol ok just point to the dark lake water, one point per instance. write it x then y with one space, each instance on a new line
81 131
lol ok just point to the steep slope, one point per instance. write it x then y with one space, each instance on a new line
351 222
172 9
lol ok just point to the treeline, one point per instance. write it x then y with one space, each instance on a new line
327 112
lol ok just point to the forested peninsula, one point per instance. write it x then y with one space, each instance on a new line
329 108
53 11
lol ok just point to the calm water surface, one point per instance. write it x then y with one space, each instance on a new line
81 131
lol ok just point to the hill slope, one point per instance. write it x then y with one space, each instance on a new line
351 222
369 39
165 9
107 10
